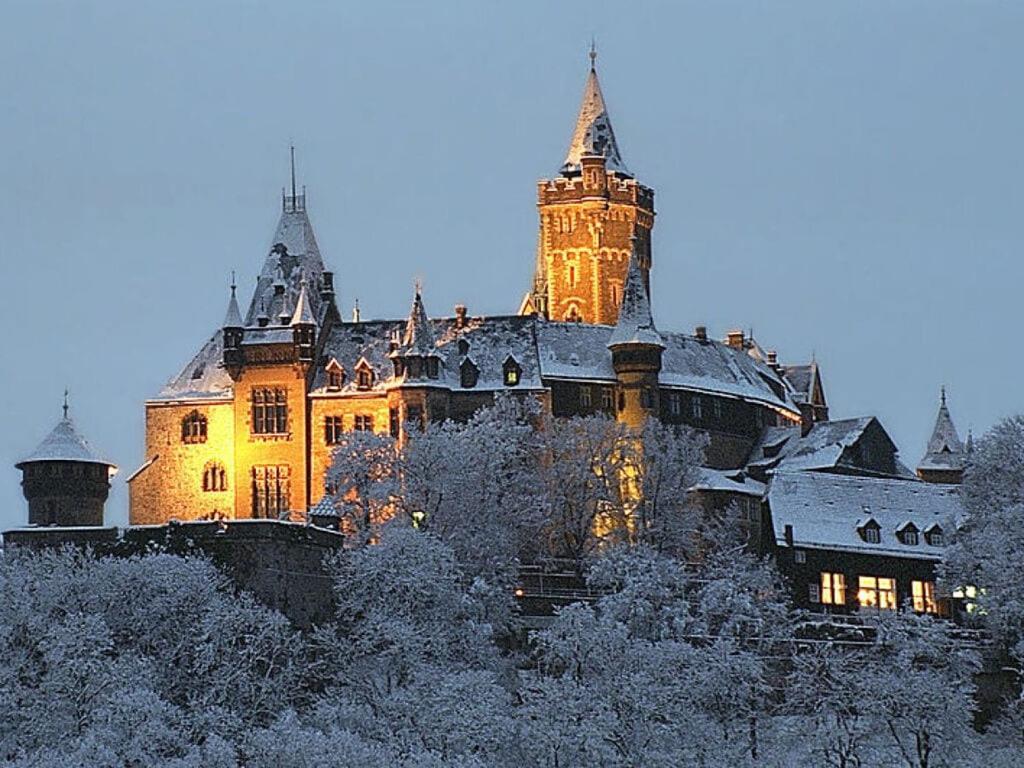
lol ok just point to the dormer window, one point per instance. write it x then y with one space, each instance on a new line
433 368
463 347
469 374
364 375
512 372
335 375
870 531
908 534
934 536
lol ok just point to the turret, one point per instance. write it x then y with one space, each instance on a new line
233 330
64 481
303 326
636 348
945 457
589 214
416 357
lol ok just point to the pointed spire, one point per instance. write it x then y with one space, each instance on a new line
356 316
945 450
636 323
233 318
593 134
65 408
303 314
285 315
419 337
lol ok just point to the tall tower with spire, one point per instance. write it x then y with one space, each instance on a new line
944 460
588 215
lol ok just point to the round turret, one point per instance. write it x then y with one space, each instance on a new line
65 482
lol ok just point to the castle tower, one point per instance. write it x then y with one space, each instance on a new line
636 348
588 215
944 460
65 482
417 396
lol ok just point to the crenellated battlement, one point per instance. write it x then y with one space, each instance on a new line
566 189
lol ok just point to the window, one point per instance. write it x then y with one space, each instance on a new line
214 477
876 592
586 399
833 588
716 406
573 314
269 411
364 422
414 415
433 368
607 398
923 595
646 397
335 375
675 404
813 593
571 276
332 430
271 491
799 556
872 535
934 536
394 422
512 372
616 295
909 536
364 376
469 374
697 408
463 347
193 428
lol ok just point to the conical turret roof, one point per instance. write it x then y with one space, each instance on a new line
418 338
593 134
303 314
945 450
233 318
64 444
636 323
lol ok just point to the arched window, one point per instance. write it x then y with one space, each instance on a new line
335 375
193 428
364 375
573 315
214 477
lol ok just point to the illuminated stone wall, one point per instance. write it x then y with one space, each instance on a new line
171 486
584 242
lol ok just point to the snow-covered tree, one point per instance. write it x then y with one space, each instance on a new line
363 478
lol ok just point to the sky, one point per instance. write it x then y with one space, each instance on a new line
842 177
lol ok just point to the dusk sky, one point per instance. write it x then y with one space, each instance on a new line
843 177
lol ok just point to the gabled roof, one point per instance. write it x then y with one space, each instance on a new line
945 450
825 511
593 134
635 324
64 444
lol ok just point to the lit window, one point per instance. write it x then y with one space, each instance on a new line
214 477
332 430
586 399
675 404
799 556
269 411
923 594
512 372
876 592
193 428
364 422
833 588
271 491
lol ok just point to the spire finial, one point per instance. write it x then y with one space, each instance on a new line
65 402
943 394
233 282
418 285
593 54
293 172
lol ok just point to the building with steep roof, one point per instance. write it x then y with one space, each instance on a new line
946 455
247 428
64 480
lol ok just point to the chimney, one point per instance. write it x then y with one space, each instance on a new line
788 533
773 358
701 332
460 316
734 339
327 286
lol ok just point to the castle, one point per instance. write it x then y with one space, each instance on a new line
247 428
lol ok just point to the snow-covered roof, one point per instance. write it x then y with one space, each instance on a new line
825 510
945 450
303 313
578 351
729 480
294 256
635 324
801 379
64 444
233 317
204 377
418 338
593 134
